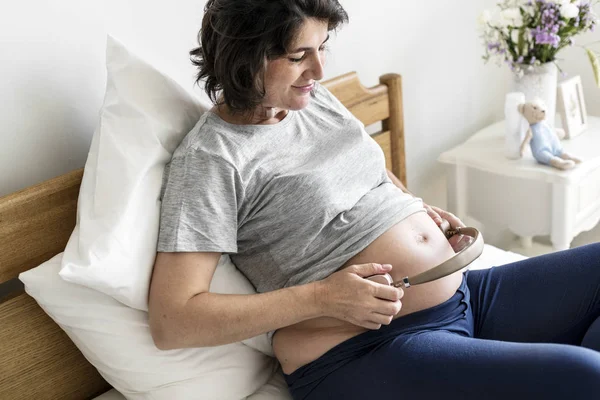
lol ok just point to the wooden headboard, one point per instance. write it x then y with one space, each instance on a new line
38 359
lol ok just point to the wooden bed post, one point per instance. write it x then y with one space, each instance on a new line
395 124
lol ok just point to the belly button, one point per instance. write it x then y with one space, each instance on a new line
421 238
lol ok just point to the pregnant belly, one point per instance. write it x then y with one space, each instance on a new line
413 245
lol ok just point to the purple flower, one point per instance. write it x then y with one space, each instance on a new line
494 46
543 37
520 60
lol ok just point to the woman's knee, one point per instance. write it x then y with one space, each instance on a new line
593 251
578 371
588 260
591 340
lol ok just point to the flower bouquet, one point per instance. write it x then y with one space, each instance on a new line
529 33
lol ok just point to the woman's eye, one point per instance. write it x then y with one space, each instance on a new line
297 59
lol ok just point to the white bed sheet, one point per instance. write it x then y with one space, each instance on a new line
276 388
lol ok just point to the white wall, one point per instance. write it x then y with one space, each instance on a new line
53 77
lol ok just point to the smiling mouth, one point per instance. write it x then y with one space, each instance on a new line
306 88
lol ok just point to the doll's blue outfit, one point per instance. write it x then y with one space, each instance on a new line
544 143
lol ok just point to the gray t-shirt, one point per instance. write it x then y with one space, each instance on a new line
290 202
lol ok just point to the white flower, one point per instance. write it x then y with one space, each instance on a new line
511 17
569 10
511 13
530 9
485 17
515 36
562 2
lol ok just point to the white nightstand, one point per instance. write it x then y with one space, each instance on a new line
528 198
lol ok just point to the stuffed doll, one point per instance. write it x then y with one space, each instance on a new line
545 141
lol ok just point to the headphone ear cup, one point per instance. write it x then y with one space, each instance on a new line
384 279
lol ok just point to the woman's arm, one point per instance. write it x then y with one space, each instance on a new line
183 313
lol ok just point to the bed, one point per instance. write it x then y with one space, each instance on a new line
39 361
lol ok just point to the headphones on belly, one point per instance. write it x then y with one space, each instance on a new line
461 259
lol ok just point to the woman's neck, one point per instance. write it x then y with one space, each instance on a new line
261 116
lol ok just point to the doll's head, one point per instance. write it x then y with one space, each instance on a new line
534 111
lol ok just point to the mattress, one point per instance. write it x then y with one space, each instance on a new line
276 388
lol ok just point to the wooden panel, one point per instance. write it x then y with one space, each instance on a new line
35 223
369 105
383 103
39 361
371 109
395 124
383 140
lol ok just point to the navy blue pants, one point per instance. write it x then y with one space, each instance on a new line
527 330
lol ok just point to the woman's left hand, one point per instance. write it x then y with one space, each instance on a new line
438 215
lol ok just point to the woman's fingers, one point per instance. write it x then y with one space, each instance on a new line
371 325
459 242
433 214
448 216
381 319
364 270
386 292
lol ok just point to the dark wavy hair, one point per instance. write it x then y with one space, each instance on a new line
238 36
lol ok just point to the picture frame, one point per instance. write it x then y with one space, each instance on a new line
572 107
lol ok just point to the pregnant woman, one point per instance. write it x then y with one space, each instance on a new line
280 176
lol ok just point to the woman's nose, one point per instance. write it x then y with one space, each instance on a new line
316 69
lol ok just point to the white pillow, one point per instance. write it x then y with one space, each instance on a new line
116 340
144 117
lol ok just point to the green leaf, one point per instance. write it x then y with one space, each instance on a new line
595 65
521 40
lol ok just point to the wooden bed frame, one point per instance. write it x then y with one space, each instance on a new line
38 361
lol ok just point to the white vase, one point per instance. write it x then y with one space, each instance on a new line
539 82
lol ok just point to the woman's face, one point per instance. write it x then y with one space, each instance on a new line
290 79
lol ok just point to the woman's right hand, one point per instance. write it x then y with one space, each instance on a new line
348 296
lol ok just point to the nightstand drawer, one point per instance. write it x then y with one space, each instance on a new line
589 191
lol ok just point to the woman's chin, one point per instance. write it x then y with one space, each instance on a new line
301 103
